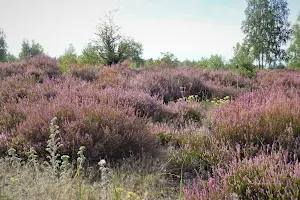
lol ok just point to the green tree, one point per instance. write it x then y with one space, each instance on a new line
132 50
89 55
203 62
30 50
214 62
11 58
68 58
112 46
294 49
149 62
243 59
168 59
188 63
267 29
3 46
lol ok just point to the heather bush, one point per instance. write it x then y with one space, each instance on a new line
115 75
166 83
227 78
143 104
286 78
183 113
259 117
14 88
105 130
10 69
37 67
47 65
87 73
262 177
195 153
172 84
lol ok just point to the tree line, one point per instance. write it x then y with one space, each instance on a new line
266 28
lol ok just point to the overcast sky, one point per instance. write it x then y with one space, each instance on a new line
188 28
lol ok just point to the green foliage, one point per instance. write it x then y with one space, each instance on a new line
243 55
3 46
80 162
187 63
168 59
149 62
11 58
214 62
14 158
53 144
112 46
68 58
30 50
294 49
89 55
267 29
132 50
203 62
32 159
243 59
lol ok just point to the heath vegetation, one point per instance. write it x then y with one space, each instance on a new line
107 124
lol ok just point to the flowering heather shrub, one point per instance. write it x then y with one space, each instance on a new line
116 75
166 82
262 177
14 88
105 130
220 91
268 78
182 113
227 78
37 66
172 84
10 69
261 116
143 104
47 65
87 73
11 115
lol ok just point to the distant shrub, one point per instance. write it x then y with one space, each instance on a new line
143 104
260 116
14 88
68 59
172 84
286 78
10 69
86 73
227 78
40 65
263 177
115 75
214 62
47 65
